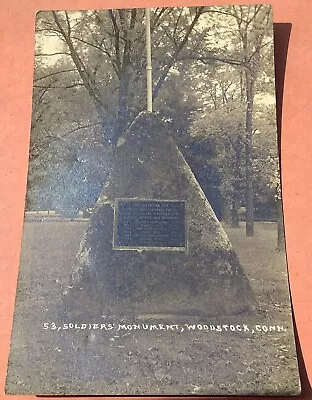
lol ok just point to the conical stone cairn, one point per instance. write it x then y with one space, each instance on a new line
200 274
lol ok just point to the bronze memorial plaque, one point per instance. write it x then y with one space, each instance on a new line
149 224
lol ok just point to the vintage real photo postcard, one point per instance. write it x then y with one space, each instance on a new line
153 253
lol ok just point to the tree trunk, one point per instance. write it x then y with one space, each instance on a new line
234 213
248 148
280 226
236 185
226 210
122 116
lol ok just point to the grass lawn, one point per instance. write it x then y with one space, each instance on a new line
144 362
265 267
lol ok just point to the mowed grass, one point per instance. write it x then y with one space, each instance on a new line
265 267
151 363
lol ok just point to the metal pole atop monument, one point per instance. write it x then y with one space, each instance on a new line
149 82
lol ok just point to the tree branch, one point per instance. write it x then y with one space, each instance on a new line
54 73
171 62
52 54
60 87
116 41
40 149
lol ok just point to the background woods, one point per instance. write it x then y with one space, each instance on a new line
213 84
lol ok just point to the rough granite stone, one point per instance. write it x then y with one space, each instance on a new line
207 279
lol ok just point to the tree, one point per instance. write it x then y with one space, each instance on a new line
108 48
249 50
225 128
89 80
252 24
96 73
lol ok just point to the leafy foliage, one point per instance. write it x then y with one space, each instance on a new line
89 86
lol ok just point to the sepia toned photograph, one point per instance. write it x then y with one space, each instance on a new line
153 257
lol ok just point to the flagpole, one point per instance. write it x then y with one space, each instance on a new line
149 82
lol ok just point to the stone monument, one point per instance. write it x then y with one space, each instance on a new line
154 245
